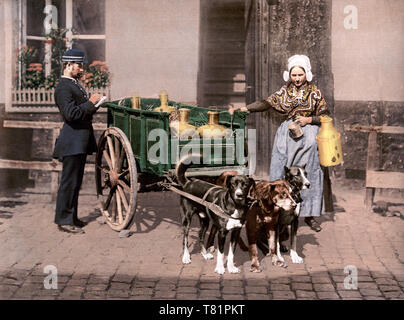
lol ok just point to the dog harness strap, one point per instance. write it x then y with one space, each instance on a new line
204 198
207 192
209 205
252 204
207 209
212 206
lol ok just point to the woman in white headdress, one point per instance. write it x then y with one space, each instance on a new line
300 100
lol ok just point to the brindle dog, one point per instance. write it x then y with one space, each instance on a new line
263 216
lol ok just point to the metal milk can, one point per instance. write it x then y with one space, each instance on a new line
135 101
329 143
213 130
183 129
164 107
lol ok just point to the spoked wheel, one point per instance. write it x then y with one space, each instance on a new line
116 178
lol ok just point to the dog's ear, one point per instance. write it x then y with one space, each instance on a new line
227 180
253 192
286 170
304 166
269 194
256 191
252 182
221 181
251 188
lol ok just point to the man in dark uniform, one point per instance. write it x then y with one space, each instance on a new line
75 141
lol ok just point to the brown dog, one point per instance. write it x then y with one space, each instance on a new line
264 213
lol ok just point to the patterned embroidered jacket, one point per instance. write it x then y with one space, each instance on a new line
305 101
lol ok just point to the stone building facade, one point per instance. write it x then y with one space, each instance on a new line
215 52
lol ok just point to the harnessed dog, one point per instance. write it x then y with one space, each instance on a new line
296 177
226 207
263 216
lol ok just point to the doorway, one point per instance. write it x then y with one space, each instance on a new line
221 76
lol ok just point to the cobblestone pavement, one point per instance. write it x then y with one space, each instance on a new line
147 264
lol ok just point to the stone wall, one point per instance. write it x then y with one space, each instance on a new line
292 27
354 144
301 27
368 82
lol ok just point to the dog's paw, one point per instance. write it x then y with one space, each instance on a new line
280 258
278 262
255 269
211 249
233 269
220 270
295 257
207 256
186 258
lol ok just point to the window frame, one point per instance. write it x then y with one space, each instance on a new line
21 7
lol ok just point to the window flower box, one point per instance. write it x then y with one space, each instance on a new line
43 100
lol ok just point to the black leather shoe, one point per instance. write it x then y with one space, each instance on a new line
80 223
70 229
313 224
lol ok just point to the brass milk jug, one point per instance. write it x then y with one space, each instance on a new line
213 129
183 129
135 101
329 143
164 107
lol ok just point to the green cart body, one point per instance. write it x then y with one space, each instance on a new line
138 125
138 141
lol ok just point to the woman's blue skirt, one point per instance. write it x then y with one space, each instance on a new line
288 151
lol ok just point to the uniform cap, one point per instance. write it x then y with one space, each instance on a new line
74 55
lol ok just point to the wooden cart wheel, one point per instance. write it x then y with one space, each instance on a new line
116 178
